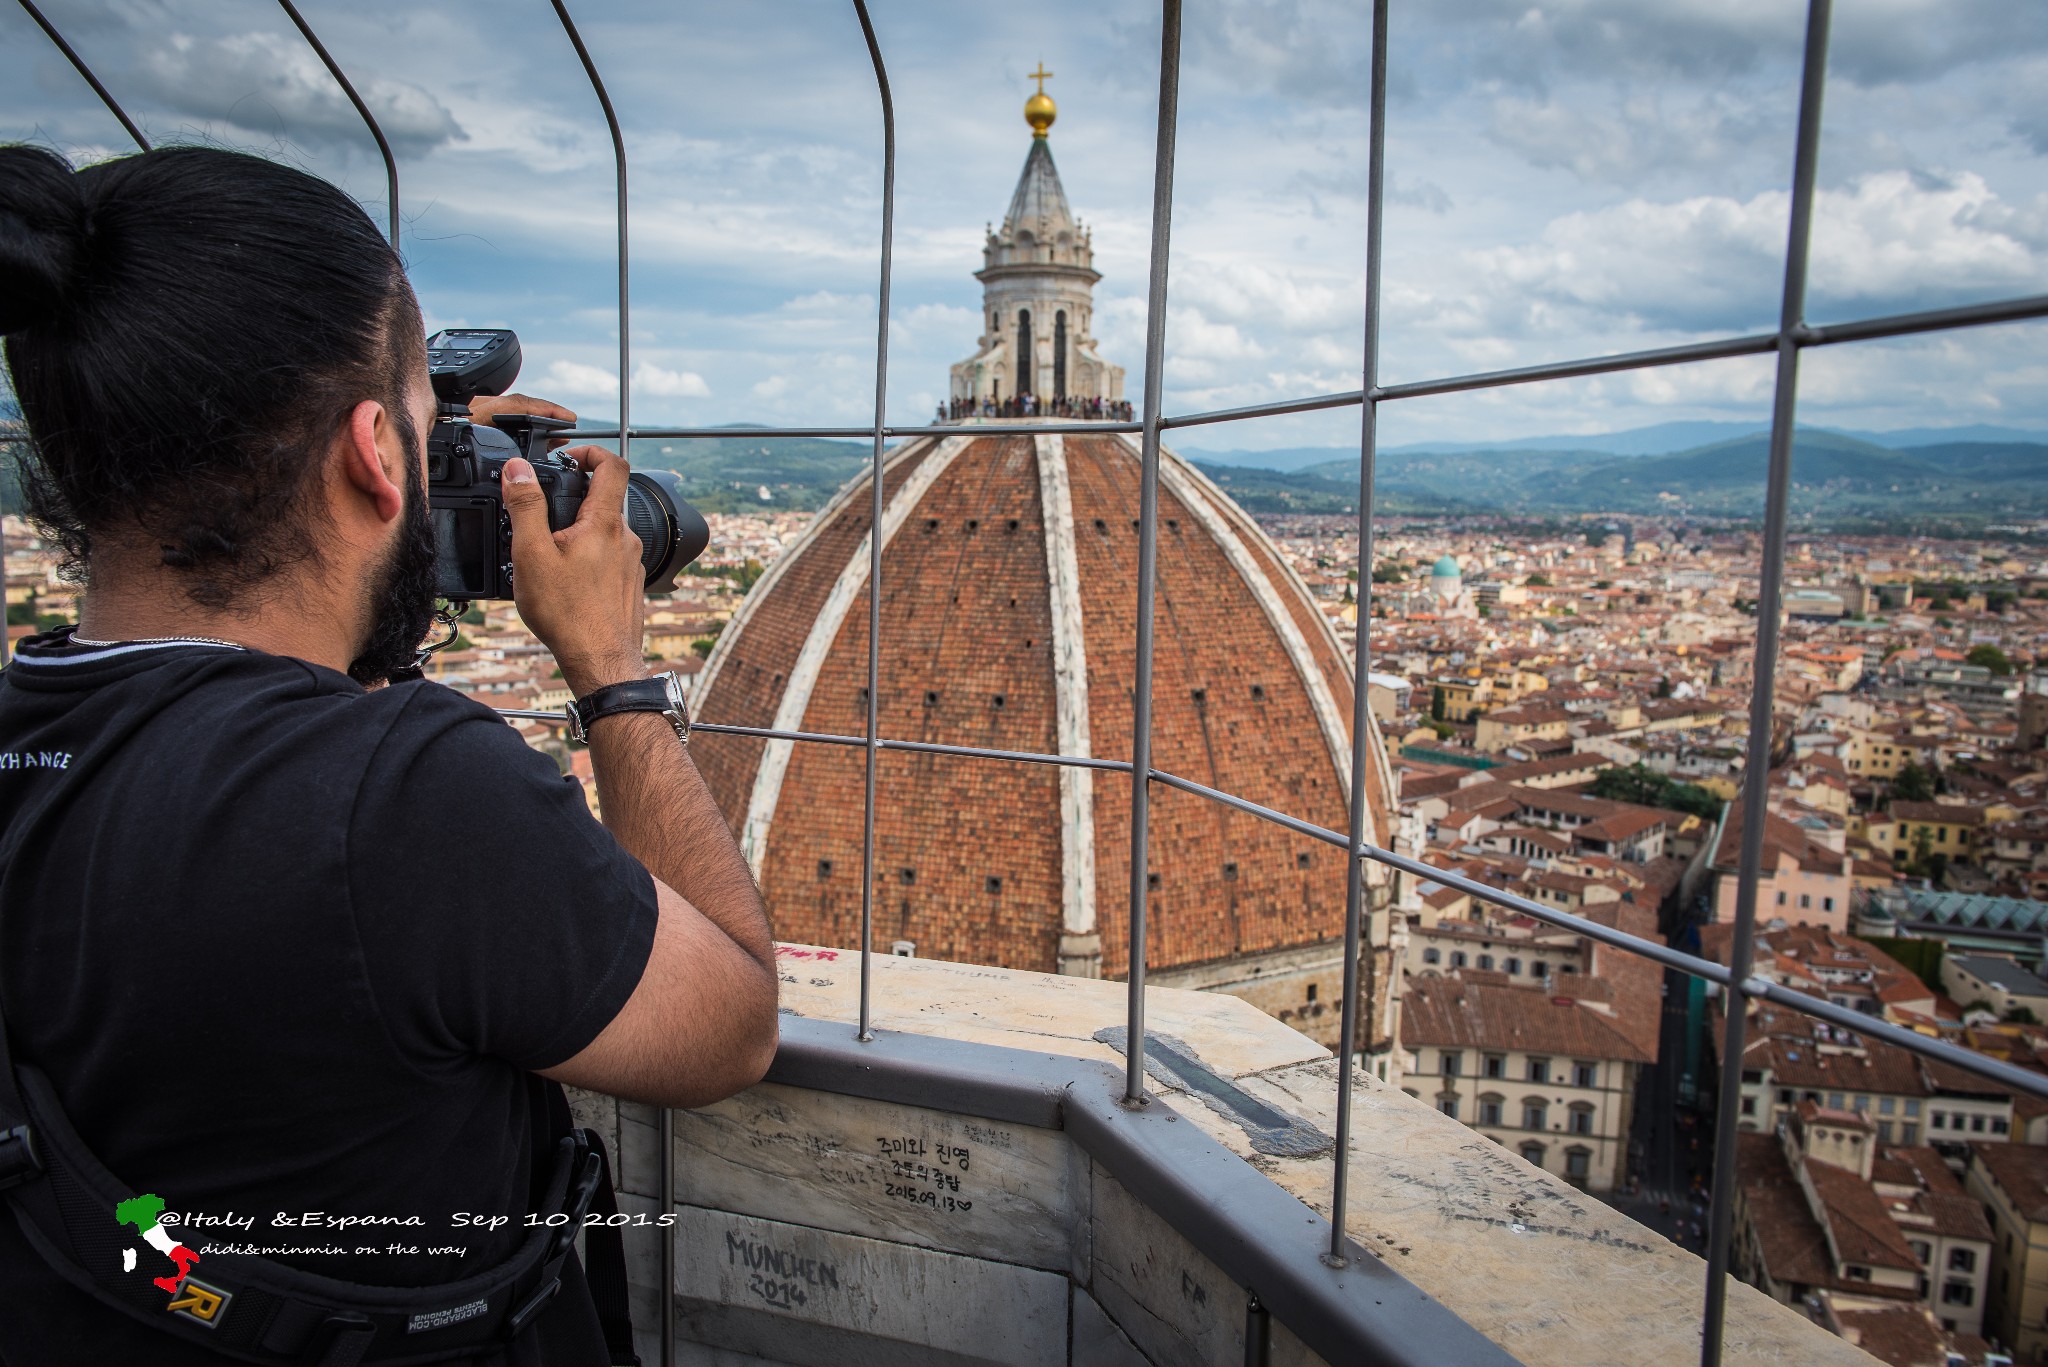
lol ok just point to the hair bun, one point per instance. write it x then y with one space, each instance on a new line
42 225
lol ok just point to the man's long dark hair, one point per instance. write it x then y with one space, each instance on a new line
185 330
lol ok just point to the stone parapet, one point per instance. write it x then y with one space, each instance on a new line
973 1191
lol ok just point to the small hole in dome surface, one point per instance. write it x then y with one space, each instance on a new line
931 524
1303 860
973 525
994 884
997 701
1101 526
1258 692
824 869
1173 524
1014 524
1152 881
931 699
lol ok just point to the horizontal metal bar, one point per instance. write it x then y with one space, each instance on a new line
1718 350
1246 805
925 747
1981 1064
1072 427
1934 320
1348 399
1861 330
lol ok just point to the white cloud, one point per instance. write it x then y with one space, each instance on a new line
658 382
1644 269
575 379
273 84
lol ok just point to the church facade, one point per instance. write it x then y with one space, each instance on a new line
1038 301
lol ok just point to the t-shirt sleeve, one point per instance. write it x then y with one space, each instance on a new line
497 916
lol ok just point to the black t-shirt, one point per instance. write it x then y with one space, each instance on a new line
286 946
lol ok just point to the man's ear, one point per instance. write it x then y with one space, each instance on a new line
372 460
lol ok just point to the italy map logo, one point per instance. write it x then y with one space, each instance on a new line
189 1297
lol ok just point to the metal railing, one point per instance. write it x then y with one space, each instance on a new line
1792 336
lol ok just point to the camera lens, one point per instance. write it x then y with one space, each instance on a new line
671 532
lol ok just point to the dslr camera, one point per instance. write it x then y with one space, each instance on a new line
472 530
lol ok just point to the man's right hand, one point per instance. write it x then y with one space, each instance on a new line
581 590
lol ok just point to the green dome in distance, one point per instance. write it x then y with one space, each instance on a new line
1446 568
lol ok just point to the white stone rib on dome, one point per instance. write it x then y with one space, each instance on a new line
763 590
810 661
1070 690
1251 531
1176 475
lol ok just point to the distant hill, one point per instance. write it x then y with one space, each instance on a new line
1661 439
1843 477
727 474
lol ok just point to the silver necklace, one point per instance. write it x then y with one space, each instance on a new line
78 640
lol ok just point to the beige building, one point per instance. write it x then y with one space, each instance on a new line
1998 982
1511 726
1550 1077
2011 1180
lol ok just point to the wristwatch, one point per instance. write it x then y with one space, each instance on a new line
663 694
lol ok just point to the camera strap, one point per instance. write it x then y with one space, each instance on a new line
261 1311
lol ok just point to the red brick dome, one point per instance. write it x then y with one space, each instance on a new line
1009 573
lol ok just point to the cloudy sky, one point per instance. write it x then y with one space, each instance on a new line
1565 178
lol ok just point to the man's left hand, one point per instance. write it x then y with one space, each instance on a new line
485 407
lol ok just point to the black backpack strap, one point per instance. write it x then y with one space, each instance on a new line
604 1245
256 1310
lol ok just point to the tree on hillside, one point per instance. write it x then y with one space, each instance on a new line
1991 658
1913 783
1537 581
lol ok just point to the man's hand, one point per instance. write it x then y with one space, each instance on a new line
581 590
485 408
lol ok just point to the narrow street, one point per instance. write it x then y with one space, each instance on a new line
1673 1142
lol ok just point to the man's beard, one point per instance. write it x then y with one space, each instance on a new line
403 603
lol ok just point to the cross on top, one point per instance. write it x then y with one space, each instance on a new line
1041 76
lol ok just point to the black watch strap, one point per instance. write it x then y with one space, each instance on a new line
663 694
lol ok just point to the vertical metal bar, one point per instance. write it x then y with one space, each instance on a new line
665 1127
874 732
1258 1332
611 120
1361 703
78 64
334 70
1148 542
1757 760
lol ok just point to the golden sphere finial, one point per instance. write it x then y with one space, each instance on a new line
1039 110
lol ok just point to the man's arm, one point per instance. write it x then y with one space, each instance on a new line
702 1022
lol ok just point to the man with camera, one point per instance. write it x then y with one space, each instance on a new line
279 938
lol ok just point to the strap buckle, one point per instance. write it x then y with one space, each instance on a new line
19 1161
582 1189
